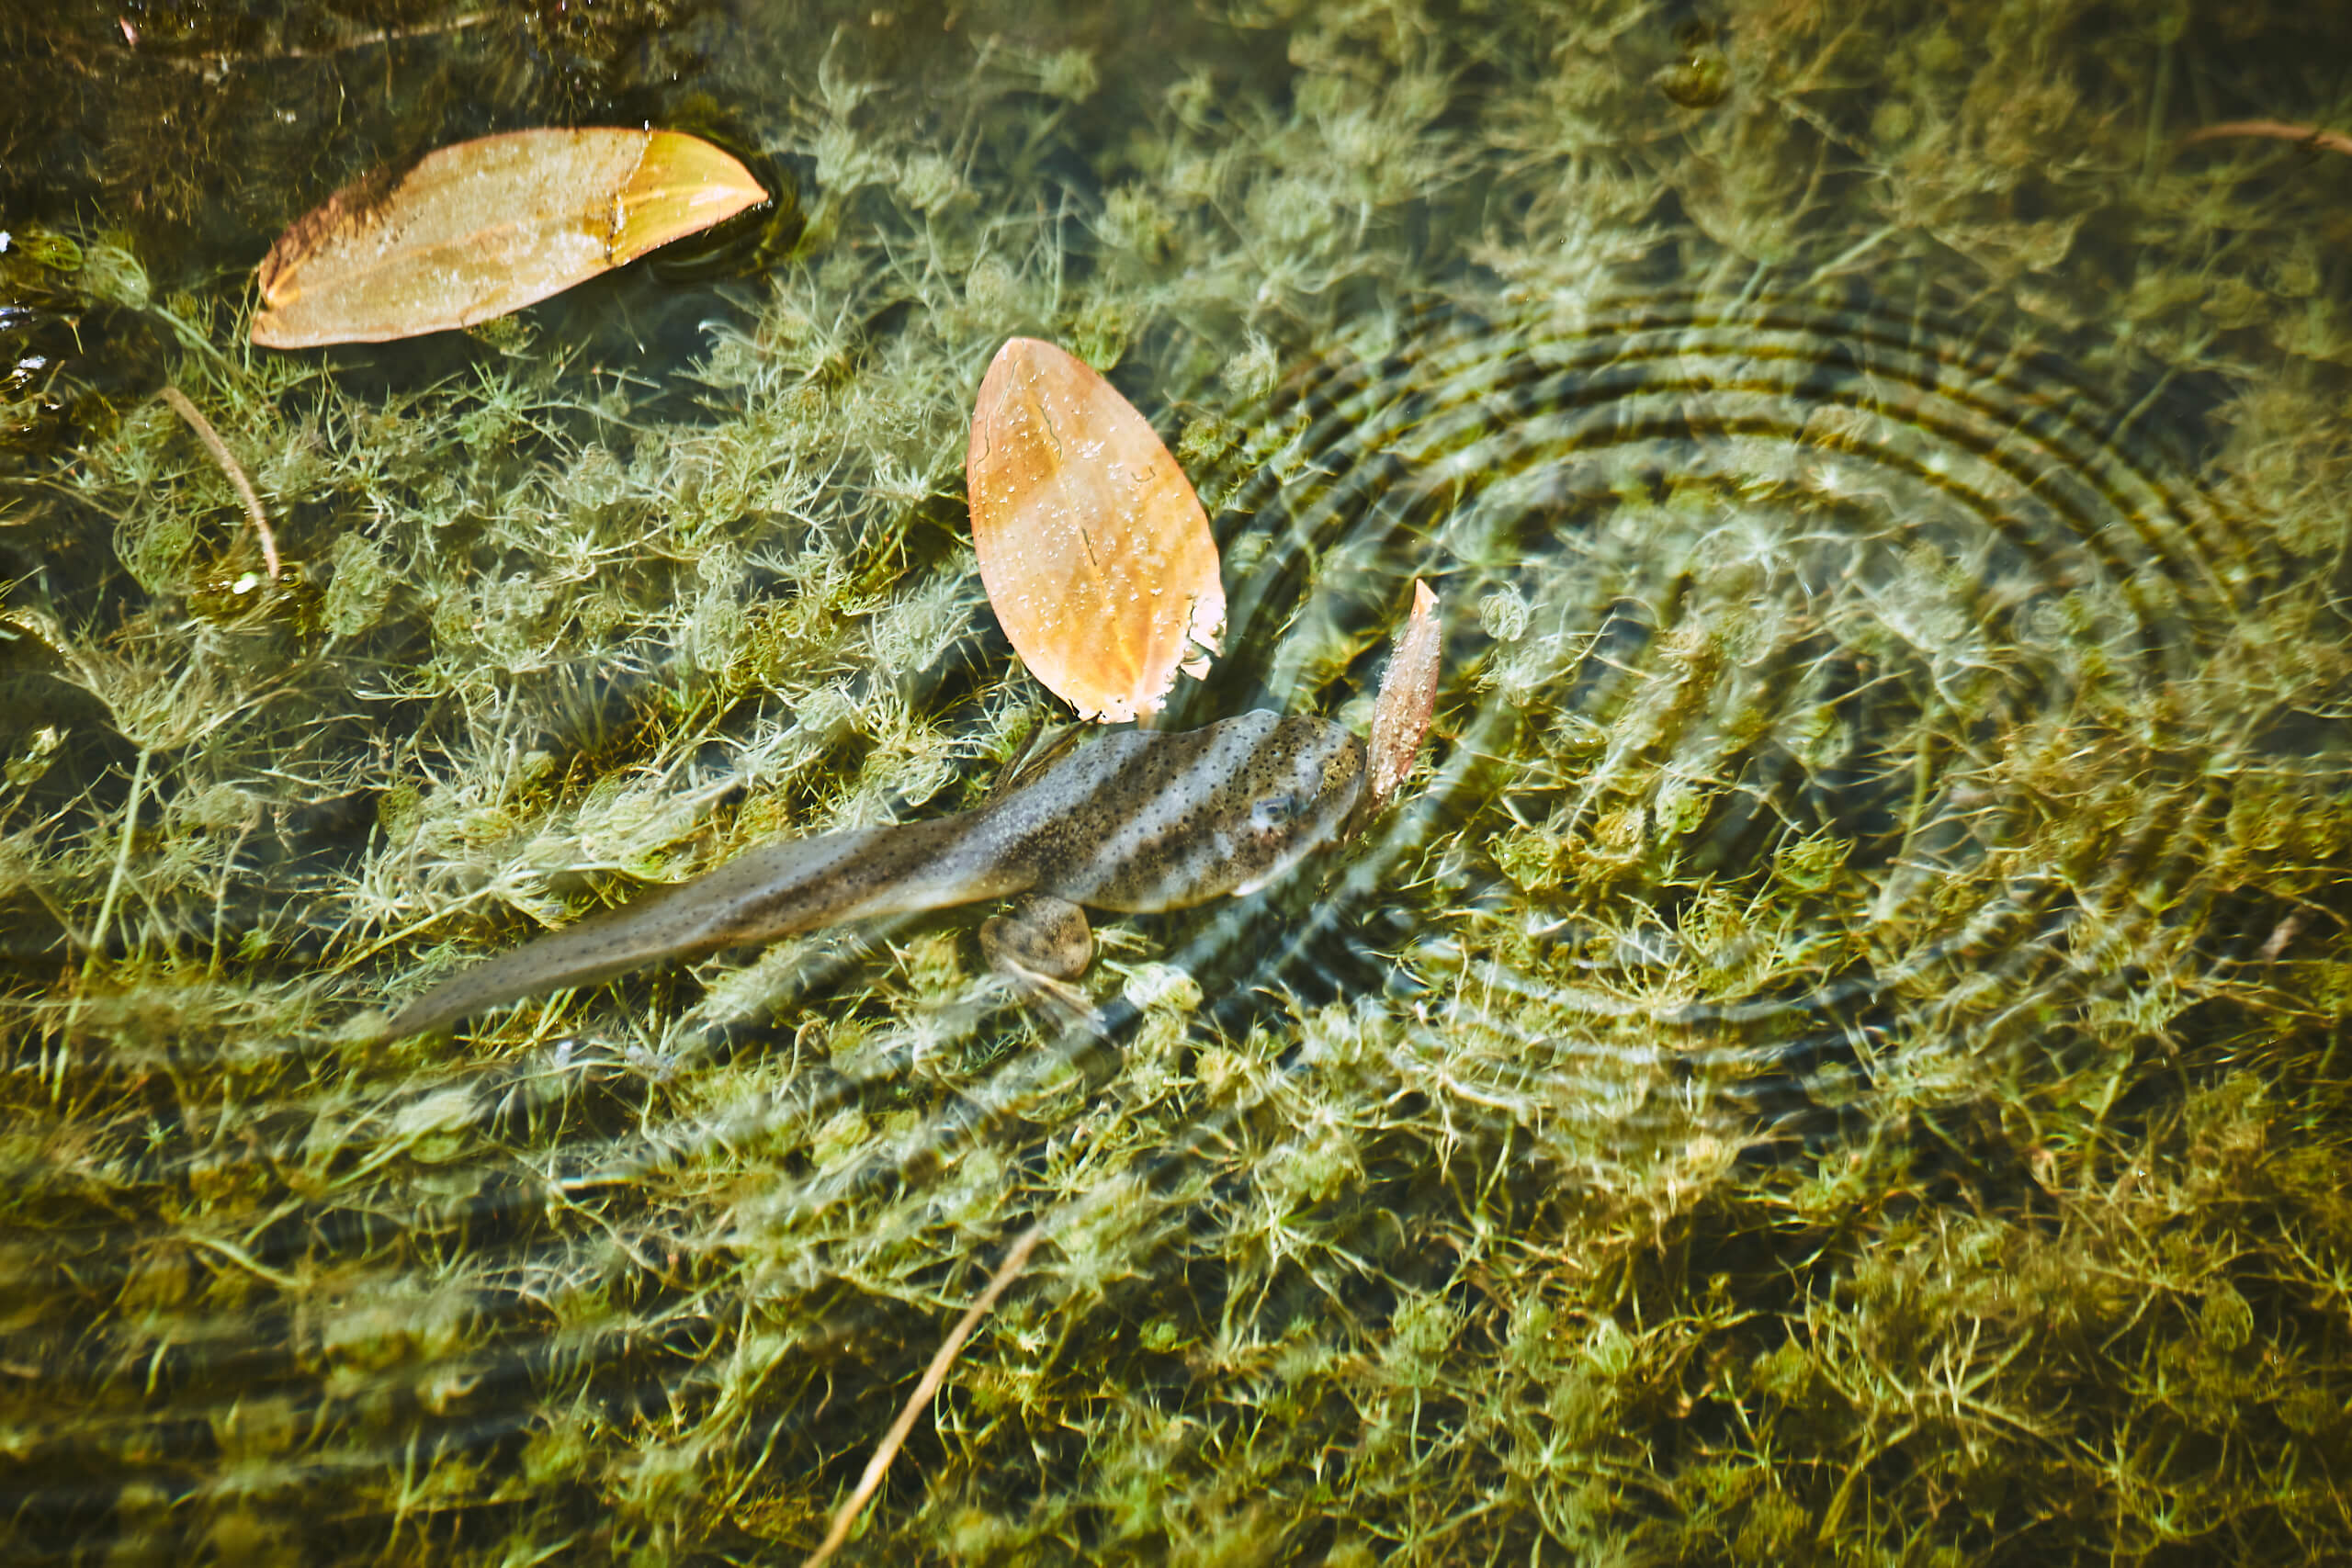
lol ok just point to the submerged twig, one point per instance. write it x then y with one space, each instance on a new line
387 35
230 466
212 60
2275 130
845 1516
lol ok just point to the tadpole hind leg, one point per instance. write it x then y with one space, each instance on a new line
1040 947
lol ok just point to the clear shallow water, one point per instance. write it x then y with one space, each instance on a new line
1835 1058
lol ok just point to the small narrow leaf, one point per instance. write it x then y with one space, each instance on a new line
1094 549
482 228
1401 713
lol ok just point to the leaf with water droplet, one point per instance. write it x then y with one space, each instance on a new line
481 228
1077 509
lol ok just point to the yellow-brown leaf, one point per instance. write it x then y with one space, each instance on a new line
481 228
1094 550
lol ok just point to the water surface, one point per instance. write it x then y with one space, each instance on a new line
1834 1060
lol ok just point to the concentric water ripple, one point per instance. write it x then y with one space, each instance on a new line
1839 681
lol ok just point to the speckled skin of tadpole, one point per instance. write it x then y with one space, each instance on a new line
1140 821
1133 821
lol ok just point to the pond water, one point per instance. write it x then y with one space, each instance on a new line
1832 1059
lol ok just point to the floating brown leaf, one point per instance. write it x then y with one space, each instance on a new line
477 229
1400 715
1094 549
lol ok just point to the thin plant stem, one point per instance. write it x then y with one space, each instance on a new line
121 860
230 466
2275 130
105 916
845 1516
212 60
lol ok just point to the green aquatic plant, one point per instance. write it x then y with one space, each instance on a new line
1841 1062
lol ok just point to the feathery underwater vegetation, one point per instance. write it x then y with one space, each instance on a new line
1838 1061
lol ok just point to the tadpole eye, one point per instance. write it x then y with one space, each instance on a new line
1274 810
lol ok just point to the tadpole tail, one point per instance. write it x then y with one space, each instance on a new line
773 891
